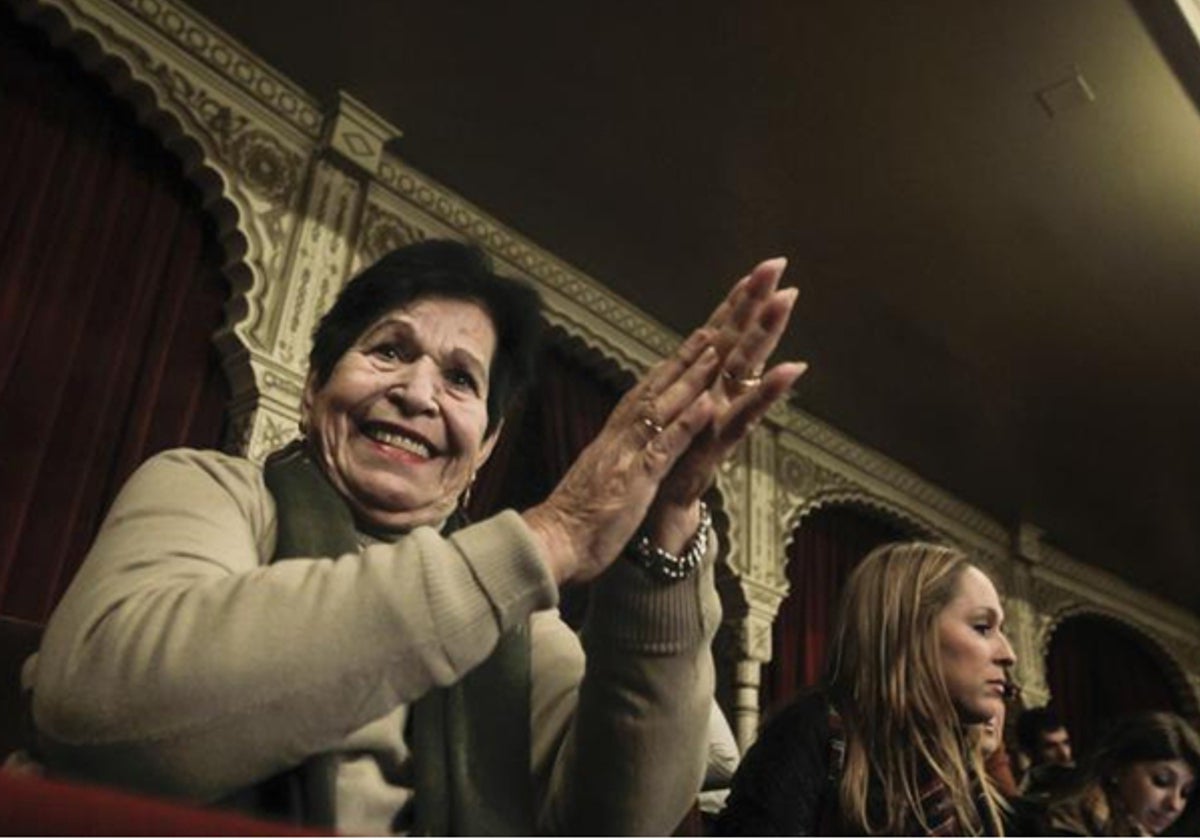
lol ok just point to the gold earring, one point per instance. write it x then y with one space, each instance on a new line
465 502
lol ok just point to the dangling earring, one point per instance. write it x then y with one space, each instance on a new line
465 501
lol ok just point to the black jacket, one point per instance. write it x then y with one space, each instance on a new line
783 785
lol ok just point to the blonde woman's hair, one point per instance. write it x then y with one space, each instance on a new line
885 677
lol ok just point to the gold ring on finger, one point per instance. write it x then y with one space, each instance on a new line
743 383
654 428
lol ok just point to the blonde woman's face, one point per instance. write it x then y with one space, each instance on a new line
1155 793
975 653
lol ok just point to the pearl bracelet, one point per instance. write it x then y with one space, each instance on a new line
666 567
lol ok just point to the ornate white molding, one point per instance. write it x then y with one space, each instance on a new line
882 478
302 198
578 303
218 54
1061 587
1106 592
358 134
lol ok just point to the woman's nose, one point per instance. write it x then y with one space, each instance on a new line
1006 654
416 387
1175 801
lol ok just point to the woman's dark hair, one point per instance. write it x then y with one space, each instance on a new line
1146 736
446 269
1092 805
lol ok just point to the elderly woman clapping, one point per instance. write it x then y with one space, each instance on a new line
325 637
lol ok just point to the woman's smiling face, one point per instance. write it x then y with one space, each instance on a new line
400 424
1155 793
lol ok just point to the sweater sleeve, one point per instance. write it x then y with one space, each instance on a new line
620 743
180 662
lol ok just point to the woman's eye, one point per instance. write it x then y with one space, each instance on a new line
983 629
390 352
463 380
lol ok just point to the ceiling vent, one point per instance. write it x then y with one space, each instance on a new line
1071 92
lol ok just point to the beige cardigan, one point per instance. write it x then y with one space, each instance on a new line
180 662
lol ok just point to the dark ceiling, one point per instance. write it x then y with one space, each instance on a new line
1001 298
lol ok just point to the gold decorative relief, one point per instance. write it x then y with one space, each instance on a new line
382 232
758 641
843 493
267 167
207 44
890 479
615 325
270 430
1054 597
800 477
319 262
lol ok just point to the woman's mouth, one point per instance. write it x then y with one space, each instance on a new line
1158 822
394 438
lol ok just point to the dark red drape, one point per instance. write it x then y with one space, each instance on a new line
825 548
109 295
562 413
1098 670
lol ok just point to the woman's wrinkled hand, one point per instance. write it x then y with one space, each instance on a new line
664 440
745 330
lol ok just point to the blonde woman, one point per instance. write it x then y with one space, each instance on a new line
917 655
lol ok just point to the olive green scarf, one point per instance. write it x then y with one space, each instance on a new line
470 741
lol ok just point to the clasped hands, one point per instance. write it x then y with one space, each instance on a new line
661 446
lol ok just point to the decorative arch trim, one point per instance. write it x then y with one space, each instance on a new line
1160 647
239 165
884 508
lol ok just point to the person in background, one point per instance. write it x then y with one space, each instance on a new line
1141 781
327 638
918 655
1046 743
1044 737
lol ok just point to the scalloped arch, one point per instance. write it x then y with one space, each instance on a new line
862 499
1160 648
592 357
221 199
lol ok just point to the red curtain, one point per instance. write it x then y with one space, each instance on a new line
1098 670
110 293
562 413
826 547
